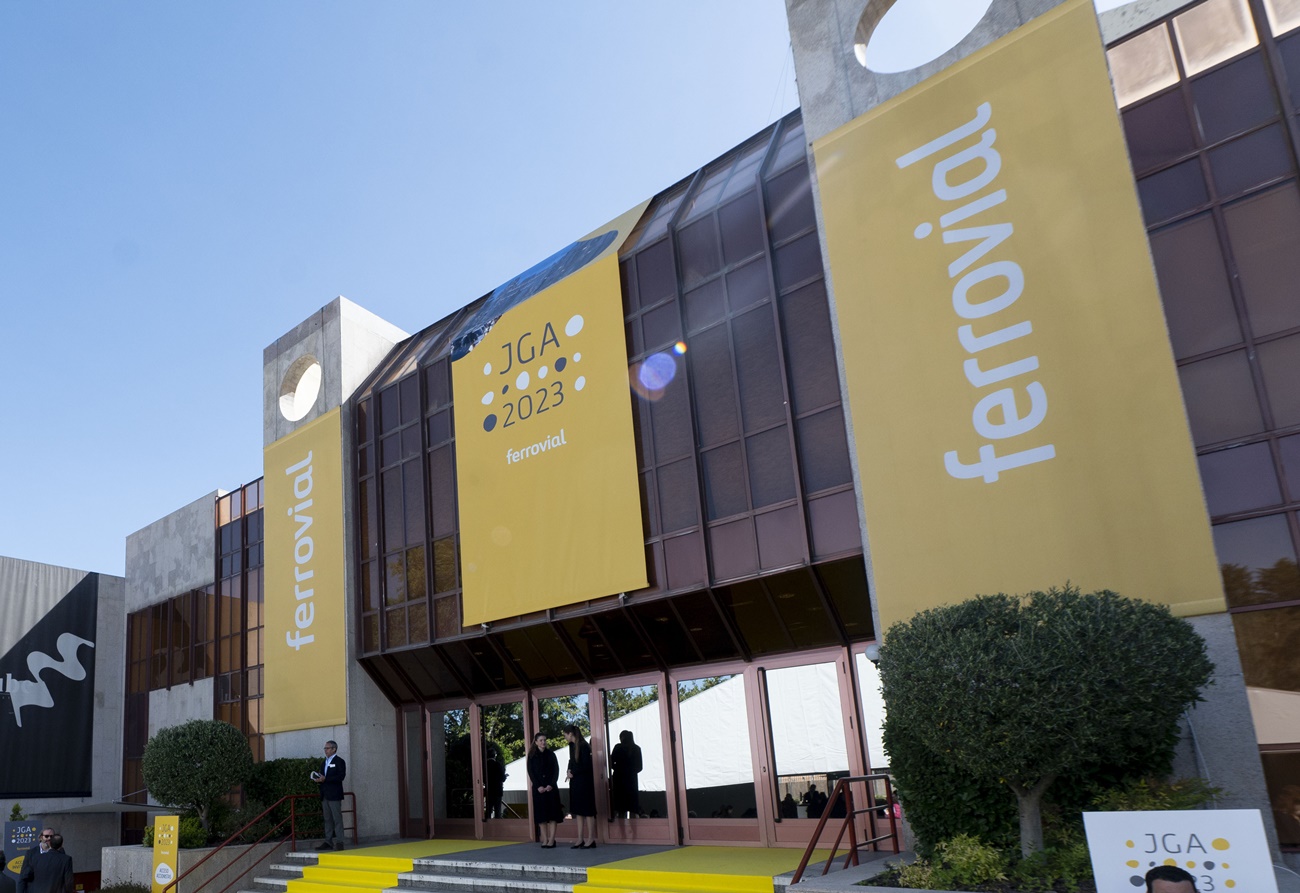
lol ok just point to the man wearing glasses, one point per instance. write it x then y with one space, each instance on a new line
49 870
330 779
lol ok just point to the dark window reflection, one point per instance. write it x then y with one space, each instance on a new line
1264 231
1172 192
1258 561
1239 479
1282 775
1234 98
1194 287
1220 397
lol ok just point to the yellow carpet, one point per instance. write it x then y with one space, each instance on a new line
696 869
375 869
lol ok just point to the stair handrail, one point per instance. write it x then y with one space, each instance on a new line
872 811
291 840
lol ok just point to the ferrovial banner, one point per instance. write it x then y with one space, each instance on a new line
550 509
1016 411
166 843
305 645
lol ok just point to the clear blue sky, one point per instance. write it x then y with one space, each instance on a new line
181 183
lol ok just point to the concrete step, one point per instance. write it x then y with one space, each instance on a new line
570 874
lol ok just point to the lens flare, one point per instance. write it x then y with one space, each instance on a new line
651 376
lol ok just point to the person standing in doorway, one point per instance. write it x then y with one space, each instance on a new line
582 788
624 767
330 779
543 776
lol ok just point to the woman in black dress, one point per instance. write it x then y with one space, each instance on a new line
543 773
624 767
582 788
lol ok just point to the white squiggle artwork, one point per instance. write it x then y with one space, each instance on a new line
34 692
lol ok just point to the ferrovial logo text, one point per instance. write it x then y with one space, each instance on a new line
304 550
981 292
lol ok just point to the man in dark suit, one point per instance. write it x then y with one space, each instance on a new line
47 869
330 779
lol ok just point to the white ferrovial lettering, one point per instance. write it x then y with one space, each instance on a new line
304 549
981 292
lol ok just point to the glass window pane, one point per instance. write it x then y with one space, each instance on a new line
410 398
663 326
502 737
758 369
771 476
809 354
1239 479
873 712
1251 161
748 285
671 423
807 736
1142 66
823 450
444 565
1283 15
678 500
1281 769
697 246
656 279
1257 558
714 385
1264 231
1194 287
634 712
742 228
798 262
1266 641
1280 361
724 482
1233 99
790 204
449 749
1172 192
1158 131
1289 447
1220 399
717 765
704 306
1213 32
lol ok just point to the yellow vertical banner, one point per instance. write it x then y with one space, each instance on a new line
305 640
166 846
1017 416
550 508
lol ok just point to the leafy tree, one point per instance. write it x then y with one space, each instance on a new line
1022 690
619 702
193 765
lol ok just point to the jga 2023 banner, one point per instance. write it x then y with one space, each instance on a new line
550 510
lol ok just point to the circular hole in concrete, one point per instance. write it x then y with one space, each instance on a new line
300 387
899 35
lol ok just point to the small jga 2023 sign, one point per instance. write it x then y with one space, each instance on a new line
1224 849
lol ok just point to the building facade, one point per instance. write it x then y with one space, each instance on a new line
738 656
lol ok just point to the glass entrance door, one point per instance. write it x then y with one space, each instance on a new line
502 741
640 809
716 759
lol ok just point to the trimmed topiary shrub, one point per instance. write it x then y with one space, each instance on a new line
192 766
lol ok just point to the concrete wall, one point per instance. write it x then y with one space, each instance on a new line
347 340
134 865
179 704
1218 741
172 555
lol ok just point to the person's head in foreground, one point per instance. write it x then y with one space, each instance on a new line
1170 879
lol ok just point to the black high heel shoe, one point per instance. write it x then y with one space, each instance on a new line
589 846
578 846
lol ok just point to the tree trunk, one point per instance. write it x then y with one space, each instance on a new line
1030 801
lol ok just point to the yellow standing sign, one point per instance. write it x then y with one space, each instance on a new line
166 845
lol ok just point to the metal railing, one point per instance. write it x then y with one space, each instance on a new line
877 807
275 834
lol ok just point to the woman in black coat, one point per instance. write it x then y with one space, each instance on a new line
624 767
582 788
543 774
